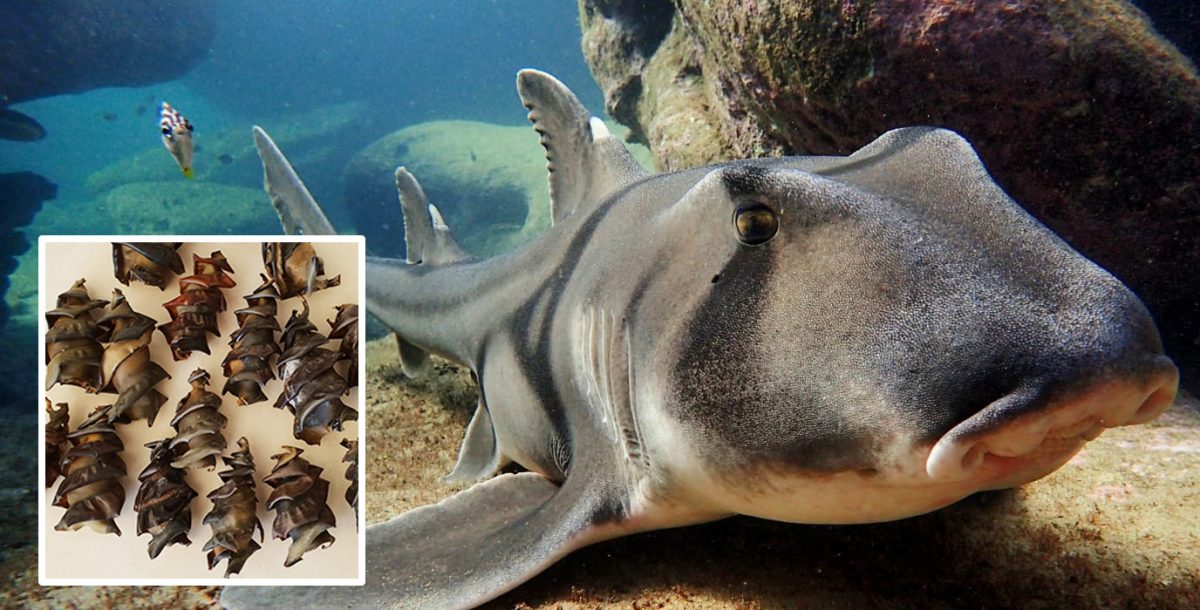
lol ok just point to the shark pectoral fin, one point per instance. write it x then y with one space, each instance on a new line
459 553
414 361
297 209
585 162
426 236
479 456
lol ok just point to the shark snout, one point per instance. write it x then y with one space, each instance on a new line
1035 429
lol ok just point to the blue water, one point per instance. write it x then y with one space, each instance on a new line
409 61
396 62
401 62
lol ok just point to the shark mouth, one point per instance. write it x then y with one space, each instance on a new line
1012 441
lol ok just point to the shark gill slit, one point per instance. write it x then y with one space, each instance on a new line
635 300
534 358
629 422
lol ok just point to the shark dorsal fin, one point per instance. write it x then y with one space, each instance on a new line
584 160
426 236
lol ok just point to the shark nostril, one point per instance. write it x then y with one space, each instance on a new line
973 458
1093 432
1160 397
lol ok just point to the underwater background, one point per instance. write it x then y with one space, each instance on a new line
1088 112
326 79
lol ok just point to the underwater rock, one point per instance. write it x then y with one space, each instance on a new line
68 46
21 196
19 127
1079 109
1178 21
488 180
178 207
324 137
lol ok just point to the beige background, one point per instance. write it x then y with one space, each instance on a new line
88 554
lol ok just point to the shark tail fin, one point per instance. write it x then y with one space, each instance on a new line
297 209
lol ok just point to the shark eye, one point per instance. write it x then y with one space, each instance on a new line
756 224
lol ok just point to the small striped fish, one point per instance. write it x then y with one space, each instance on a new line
177 137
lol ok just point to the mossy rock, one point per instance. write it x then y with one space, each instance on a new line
228 156
169 207
22 294
185 208
489 181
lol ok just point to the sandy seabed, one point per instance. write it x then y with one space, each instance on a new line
1118 526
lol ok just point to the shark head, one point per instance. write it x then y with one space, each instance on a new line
881 335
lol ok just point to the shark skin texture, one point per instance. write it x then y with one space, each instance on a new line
806 339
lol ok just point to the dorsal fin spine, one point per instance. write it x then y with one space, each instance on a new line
584 162
426 236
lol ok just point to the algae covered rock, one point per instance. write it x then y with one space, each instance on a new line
1079 109
489 181
21 196
67 46
178 207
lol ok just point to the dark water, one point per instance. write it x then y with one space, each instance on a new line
1177 21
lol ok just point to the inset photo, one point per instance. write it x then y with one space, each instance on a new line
202 409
